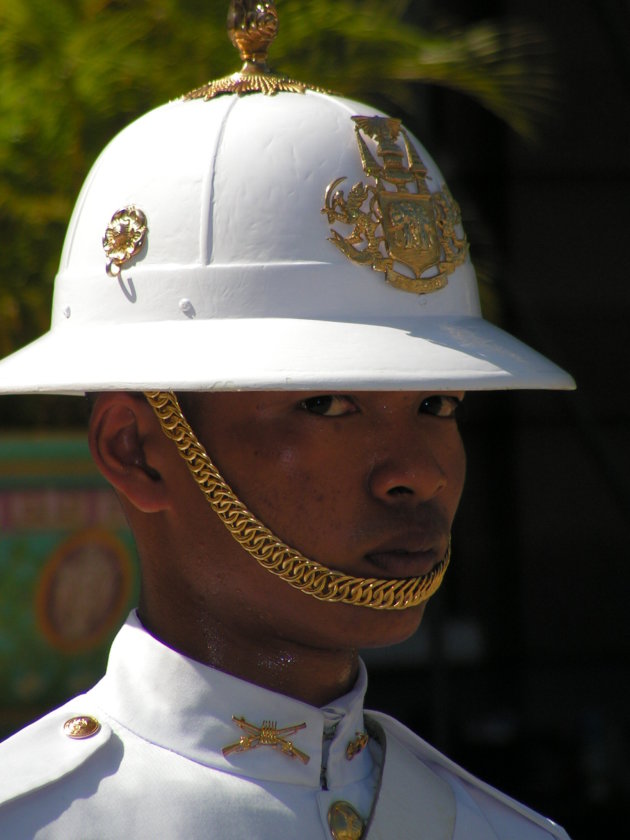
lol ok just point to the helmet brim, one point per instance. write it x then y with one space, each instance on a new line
280 354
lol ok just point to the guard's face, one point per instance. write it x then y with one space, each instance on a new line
366 483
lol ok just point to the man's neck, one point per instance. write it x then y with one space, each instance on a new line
311 675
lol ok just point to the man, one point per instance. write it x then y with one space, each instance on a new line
271 299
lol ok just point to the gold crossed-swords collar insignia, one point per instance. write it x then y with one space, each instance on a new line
267 735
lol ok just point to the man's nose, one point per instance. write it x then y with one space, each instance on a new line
407 472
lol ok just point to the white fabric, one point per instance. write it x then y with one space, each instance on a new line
482 812
156 768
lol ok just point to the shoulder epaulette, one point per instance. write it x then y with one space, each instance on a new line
49 749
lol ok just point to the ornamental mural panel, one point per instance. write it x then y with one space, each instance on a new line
68 573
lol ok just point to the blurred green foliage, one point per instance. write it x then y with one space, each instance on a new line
73 72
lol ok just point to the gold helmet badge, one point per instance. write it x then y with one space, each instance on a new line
395 219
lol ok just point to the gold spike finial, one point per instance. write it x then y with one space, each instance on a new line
252 27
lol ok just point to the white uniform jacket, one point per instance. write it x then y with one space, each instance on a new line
163 757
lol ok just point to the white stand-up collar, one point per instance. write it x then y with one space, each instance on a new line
188 708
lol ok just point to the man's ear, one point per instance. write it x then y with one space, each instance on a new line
125 442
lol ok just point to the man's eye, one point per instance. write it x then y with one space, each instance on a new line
441 405
329 405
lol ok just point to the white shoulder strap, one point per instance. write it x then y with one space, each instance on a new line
43 752
410 796
425 753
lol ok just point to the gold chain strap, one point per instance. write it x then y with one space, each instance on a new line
274 555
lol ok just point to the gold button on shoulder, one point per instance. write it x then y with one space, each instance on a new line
81 727
344 822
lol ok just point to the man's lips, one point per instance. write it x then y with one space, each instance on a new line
410 557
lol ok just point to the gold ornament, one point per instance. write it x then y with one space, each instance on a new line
124 238
395 219
79 728
358 745
344 821
271 553
252 27
267 735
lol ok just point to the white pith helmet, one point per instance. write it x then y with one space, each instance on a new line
296 241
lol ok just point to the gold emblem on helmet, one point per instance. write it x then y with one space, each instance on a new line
124 238
398 227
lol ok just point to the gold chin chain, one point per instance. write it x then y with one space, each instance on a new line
271 553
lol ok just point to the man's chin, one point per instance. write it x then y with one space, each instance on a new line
382 628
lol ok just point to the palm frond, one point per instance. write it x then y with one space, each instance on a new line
506 67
